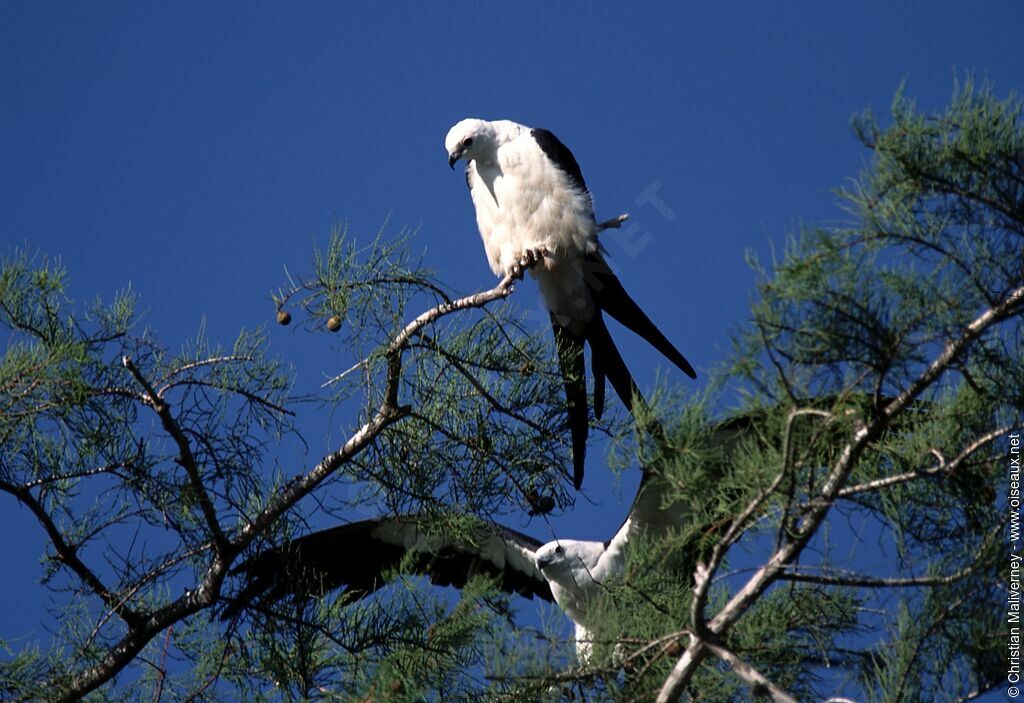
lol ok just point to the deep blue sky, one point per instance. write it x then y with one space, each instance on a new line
195 150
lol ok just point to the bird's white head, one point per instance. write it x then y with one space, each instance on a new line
472 138
569 566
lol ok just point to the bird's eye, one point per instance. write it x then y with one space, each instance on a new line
467 142
558 550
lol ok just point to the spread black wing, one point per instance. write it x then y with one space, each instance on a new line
356 557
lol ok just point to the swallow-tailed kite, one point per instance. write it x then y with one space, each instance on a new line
534 211
357 556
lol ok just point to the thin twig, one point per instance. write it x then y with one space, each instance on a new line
613 223
231 358
248 395
186 459
161 671
68 555
479 387
860 581
84 473
355 367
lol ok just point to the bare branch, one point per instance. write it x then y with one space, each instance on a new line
859 581
759 683
388 413
84 473
679 678
231 358
139 635
355 367
67 554
941 468
185 457
663 644
161 670
739 524
142 581
613 223
954 348
695 653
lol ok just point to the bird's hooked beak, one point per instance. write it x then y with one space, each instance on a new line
545 561
455 156
459 151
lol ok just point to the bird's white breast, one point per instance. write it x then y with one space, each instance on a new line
524 202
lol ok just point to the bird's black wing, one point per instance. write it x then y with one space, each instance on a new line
358 556
611 297
560 155
574 375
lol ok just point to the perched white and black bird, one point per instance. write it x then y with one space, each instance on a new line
357 556
534 211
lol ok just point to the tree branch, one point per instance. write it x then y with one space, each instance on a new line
106 469
859 581
740 602
231 358
209 588
248 395
759 683
67 554
185 457
943 467
613 223
386 414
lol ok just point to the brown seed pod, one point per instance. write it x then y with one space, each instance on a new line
334 324
283 317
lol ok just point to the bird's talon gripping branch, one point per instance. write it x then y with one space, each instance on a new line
531 257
